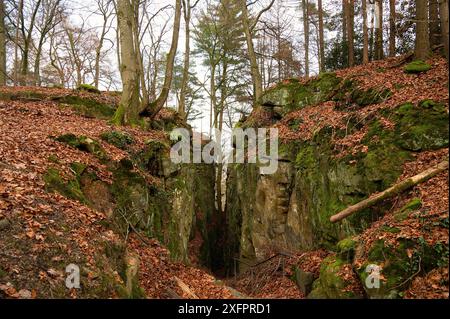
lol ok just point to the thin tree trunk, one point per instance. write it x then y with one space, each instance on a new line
372 39
16 44
37 63
379 54
98 53
350 9
392 32
140 61
443 13
434 27
255 73
365 33
321 37
422 48
27 44
153 108
187 53
3 74
306 35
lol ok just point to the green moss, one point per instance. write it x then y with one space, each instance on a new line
118 139
404 212
417 66
330 284
118 115
83 143
88 88
70 189
346 248
388 229
371 96
88 107
422 127
292 94
400 263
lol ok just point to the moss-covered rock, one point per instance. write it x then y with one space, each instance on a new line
417 66
422 127
331 285
83 143
118 139
399 264
291 94
346 248
88 88
54 182
87 107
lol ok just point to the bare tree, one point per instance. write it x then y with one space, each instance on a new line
129 107
305 7
249 31
321 37
105 10
3 73
187 9
48 20
154 107
27 33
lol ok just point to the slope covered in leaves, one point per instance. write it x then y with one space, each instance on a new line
42 232
417 218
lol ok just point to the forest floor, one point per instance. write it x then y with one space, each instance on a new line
40 231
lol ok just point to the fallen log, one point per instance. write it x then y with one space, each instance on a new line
391 191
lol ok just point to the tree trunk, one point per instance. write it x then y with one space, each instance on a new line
350 9
187 53
3 74
321 37
443 13
371 40
379 31
98 53
422 48
255 73
37 63
365 33
129 107
392 32
434 26
16 44
306 35
344 21
154 107
394 190
27 44
139 59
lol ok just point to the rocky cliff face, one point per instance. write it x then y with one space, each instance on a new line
340 142
173 209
